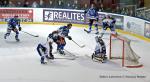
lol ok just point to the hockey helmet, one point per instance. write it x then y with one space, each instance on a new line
99 39
69 25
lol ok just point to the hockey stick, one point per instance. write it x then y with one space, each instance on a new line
30 34
81 46
71 54
67 58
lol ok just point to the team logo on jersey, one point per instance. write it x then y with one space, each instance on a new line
48 15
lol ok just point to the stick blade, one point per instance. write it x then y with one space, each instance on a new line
36 36
82 46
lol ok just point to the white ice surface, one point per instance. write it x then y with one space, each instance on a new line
20 62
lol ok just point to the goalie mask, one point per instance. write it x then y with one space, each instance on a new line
100 40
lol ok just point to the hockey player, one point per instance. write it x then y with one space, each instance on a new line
100 50
13 23
92 15
52 37
63 32
43 52
108 22
59 38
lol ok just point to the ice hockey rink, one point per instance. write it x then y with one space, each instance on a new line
20 62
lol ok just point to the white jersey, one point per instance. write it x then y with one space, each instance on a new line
98 47
108 21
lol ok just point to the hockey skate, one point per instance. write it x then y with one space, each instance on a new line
87 31
61 52
97 58
51 57
43 61
5 36
97 33
17 39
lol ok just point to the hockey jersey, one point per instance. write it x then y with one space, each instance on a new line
92 13
109 21
100 48
13 22
63 31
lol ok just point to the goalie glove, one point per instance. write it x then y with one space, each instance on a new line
69 37
19 28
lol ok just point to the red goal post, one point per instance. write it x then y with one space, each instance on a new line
120 48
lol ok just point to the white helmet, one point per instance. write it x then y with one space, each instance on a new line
108 15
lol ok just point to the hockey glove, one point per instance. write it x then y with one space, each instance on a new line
19 28
69 37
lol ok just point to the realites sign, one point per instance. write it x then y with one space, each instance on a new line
63 16
25 15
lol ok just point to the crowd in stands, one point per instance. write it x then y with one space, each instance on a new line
130 10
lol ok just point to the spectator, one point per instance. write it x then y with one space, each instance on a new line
69 6
76 5
85 7
35 4
19 4
5 3
101 7
140 4
131 12
42 4
26 4
142 14
127 11
60 4
51 4
11 4
123 12
118 10
1 3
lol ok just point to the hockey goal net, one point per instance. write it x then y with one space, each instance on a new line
120 49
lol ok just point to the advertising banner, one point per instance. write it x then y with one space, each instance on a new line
119 21
74 16
147 30
63 16
134 25
25 15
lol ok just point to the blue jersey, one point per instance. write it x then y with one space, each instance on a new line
13 22
54 36
63 31
92 13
